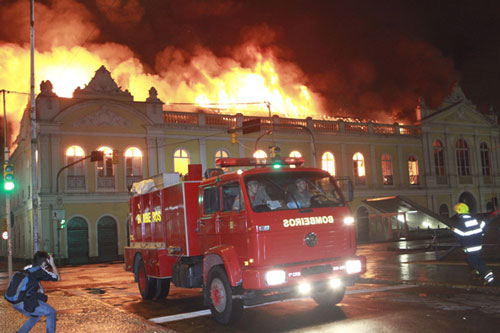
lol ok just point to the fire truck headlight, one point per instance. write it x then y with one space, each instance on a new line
304 288
275 277
348 220
352 266
335 283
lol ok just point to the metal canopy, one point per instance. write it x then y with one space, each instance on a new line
398 203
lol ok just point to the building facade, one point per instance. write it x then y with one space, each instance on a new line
451 155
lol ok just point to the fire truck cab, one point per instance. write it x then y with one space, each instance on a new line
246 237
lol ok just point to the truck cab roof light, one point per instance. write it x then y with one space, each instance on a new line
251 161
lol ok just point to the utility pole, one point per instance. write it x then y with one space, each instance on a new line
7 194
34 180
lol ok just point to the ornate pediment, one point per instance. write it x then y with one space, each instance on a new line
102 84
104 118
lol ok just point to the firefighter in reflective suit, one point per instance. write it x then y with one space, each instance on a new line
470 232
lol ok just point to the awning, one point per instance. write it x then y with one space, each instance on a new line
414 211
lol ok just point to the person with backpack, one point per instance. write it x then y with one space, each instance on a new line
27 295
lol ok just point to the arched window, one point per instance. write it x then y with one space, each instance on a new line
413 170
438 158
75 174
260 154
106 170
181 161
463 161
133 161
221 153
105 167
359 169
133 165
295 153
485 159
387 169
444 211
328 162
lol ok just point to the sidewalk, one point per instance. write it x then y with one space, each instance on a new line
79 314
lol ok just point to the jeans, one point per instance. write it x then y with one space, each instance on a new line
43 309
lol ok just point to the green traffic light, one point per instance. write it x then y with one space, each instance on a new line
8 185
62 224
276 166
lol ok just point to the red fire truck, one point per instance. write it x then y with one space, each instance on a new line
269 232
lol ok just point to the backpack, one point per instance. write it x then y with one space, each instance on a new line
19 287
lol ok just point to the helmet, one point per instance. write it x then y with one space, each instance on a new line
461 208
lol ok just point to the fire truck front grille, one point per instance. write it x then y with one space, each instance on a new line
313 270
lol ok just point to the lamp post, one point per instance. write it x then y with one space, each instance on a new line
7 195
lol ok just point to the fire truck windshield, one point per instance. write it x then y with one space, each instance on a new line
292 190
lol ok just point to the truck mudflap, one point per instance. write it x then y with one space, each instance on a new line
282 277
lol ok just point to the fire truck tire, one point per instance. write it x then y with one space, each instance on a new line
162 288
329 298
224 308
146 284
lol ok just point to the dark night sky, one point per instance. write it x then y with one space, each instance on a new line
360 56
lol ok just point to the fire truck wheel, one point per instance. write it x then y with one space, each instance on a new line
224 308
329 298
162 288
146 284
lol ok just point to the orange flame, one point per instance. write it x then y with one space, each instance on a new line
203 79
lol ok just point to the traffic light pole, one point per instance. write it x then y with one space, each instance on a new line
7 195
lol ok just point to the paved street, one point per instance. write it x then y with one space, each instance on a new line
405 289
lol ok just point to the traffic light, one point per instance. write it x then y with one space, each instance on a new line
62 224
8 177
116 156
234 137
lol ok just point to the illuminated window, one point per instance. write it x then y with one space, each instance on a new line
359 169
133 162
328 163
105 167
438 158
387 169
75 176
463 161
260 154
295 153
221 153
181 161
73 154
413 170
485 159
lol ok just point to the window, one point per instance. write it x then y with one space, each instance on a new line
75 177
210 200
133 165
463 162
359 169
221 153
328 163
439 158
387 169
260 154
181 161
295 153
133 162
105 170
485 159
413 170
231 197
443 211
105 167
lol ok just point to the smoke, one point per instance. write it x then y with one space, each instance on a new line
333 58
